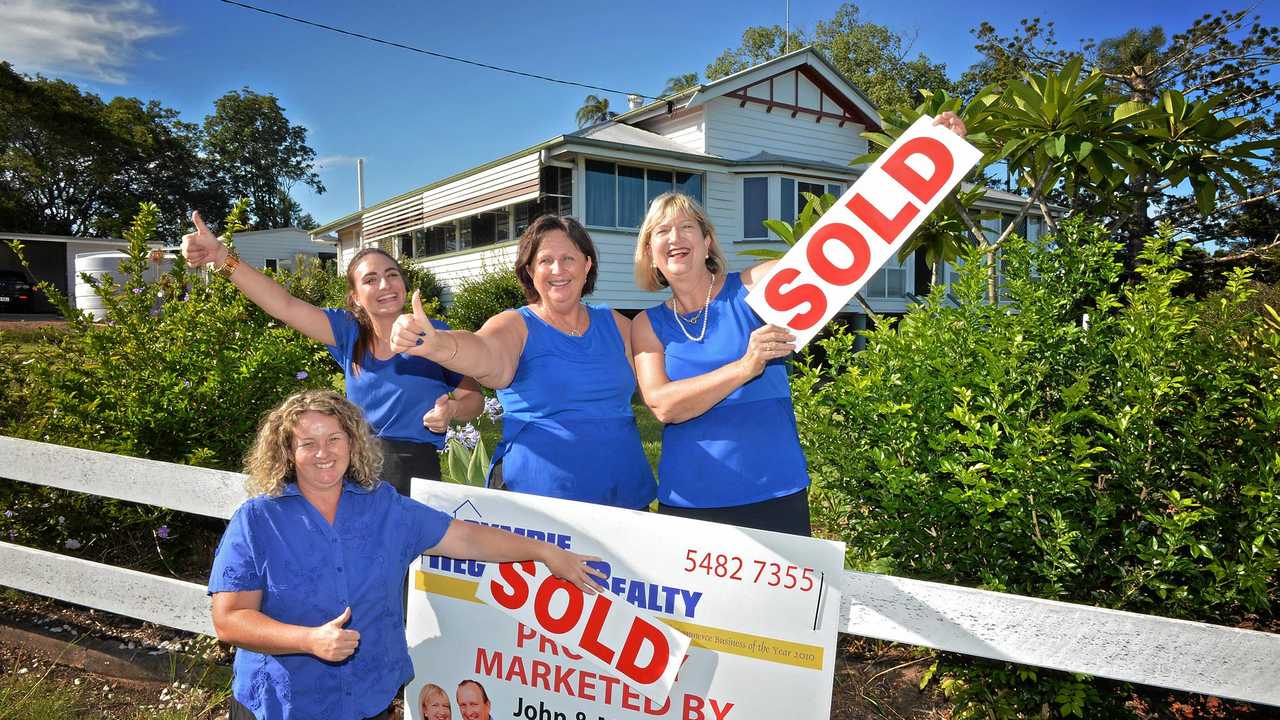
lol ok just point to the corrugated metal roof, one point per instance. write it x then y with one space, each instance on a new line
614 132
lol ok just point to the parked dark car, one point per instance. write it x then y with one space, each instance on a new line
15 291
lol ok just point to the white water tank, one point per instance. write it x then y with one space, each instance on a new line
102 263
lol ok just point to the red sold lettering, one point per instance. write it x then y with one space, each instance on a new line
515 596
591 633
850 238
887 228
795 297
542 606
640 633
923 188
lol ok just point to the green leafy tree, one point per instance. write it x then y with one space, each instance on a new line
760 43
1221 61
257 153
71 164
680 83
594 110
1065 133
874 58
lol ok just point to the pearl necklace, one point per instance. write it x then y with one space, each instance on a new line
705 312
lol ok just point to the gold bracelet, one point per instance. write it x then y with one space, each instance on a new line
228 266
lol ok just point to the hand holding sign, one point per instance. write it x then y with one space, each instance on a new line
852 240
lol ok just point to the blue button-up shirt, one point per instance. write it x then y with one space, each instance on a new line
308 572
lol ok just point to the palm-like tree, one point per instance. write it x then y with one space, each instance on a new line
594 109
680 83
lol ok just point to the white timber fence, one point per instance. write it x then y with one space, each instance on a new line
1143 649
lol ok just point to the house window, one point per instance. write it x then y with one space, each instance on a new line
619 195
755 207
889 282
272 264
793 199
631 203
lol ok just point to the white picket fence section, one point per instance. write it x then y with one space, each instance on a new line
1144 649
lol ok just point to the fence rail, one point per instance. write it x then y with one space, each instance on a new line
1143 649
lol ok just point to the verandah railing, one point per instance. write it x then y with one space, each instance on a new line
1143 649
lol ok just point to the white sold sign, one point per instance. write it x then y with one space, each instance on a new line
852 240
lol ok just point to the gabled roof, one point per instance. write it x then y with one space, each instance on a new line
805 56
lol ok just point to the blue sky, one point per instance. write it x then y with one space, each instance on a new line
415 118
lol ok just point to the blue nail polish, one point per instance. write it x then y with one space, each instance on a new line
424 332
419 341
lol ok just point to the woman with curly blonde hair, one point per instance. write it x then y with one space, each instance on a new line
308 577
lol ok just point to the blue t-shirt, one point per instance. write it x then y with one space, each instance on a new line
308 572
567 426
745 449
394 393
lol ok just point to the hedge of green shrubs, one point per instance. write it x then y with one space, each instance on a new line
1116 445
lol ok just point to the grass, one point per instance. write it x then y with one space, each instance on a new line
37 695
29 340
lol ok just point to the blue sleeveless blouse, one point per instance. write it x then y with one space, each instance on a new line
745 449
567 426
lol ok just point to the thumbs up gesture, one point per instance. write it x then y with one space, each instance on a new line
413 333
333 643
202 246
437 418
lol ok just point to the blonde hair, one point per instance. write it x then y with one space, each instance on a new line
269 463
648 277
430 688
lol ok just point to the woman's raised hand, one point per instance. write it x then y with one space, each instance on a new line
412 332
202 246
767 343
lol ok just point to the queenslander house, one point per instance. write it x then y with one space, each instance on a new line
746 146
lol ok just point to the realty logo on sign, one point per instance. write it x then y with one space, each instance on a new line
867 226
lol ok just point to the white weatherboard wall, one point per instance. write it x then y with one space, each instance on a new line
615 281
283 244
737 132
452 270
1189 656
506 184
688 129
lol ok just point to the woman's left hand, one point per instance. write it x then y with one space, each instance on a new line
573 567
952 122
438 417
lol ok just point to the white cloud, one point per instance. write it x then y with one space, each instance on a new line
333 162
79 38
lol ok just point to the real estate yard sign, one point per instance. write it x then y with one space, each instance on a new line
852 240
759 608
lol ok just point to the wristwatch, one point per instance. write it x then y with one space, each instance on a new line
228 265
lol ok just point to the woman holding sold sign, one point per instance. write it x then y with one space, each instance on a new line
409 401
308 577
715 374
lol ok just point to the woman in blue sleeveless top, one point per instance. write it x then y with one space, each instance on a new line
562 369
408 401
715 374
